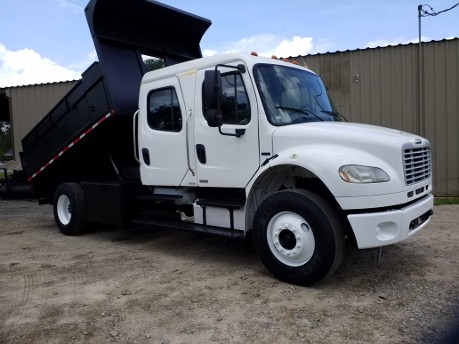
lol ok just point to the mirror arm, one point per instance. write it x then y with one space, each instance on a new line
237 133
240 67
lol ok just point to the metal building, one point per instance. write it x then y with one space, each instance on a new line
388 86
25 106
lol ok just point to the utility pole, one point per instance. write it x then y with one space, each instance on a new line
420 78
428 12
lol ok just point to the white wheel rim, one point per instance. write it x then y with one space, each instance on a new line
290 238
64 209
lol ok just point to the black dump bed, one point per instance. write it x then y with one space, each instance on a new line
88 134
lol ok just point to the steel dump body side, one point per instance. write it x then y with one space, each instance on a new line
83 106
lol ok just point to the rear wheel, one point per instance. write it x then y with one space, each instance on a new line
298 237
70 209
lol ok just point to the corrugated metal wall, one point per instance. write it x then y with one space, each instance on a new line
29 104
381 86
441 112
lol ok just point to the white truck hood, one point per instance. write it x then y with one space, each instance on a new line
323 147
348 133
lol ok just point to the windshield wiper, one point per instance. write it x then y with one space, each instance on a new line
300 110
332 113
335 114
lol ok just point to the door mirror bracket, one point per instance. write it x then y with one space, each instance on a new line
237 132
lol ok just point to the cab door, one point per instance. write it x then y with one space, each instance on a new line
222 158
162 134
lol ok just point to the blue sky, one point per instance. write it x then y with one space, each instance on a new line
48 40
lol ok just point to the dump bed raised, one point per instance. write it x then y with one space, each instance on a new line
88 135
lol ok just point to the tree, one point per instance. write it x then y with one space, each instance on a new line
5 128
5 139
154 63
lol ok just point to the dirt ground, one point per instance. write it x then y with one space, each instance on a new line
156 286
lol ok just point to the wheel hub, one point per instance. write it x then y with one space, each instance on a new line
64 209
287 239
291 239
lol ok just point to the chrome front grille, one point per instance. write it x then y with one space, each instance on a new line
417 163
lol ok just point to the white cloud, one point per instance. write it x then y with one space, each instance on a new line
92 55
256 43
267 45
295 47
69 5
85 63
209 52
25 67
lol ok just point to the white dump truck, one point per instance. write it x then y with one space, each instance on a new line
232 145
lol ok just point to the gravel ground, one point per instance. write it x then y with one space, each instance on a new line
156 286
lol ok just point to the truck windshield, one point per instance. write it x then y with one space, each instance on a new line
292 95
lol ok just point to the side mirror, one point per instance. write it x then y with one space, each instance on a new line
214 118
212 98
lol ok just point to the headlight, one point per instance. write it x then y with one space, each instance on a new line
362 174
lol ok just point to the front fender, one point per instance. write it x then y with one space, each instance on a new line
323 162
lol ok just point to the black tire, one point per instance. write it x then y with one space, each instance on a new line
69 209
298 237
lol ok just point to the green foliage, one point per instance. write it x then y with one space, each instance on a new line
154 63
5 128
5 139
446 200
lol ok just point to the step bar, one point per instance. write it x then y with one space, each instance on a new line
193 227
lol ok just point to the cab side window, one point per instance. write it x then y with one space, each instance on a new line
164 110
235 101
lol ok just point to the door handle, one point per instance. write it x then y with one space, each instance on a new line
201 153
134 135
146 156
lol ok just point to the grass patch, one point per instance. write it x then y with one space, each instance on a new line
2 174
446 200
9 173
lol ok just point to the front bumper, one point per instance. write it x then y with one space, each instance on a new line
389 227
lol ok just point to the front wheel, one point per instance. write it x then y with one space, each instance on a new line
298 237
69 209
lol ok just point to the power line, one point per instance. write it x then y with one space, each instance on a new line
433 13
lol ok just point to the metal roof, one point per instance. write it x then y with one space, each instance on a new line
378 47
38 84
11 165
